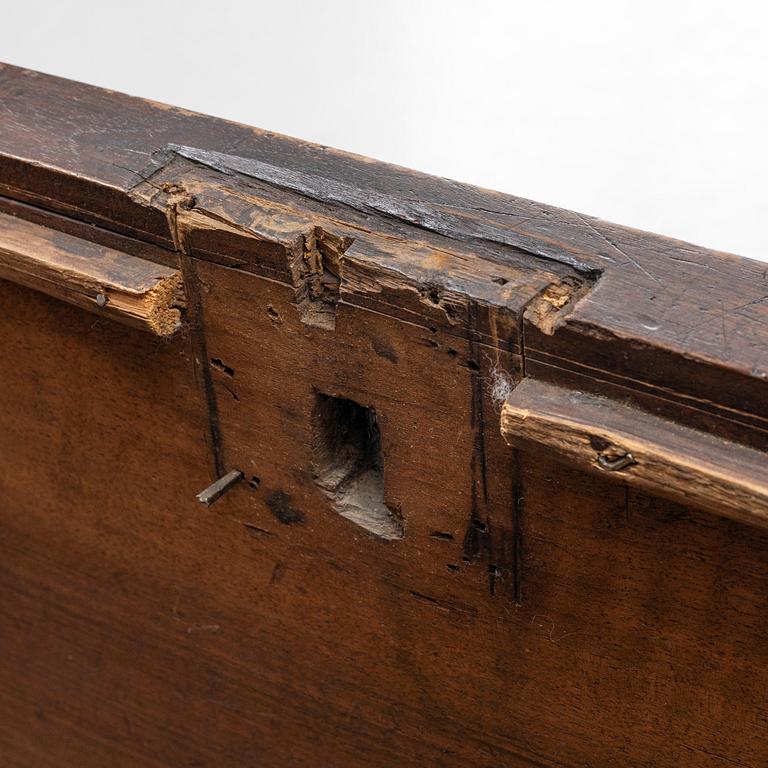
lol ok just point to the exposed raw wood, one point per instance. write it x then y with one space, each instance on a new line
638 448
102 280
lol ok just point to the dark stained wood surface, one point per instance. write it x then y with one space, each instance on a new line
523 613
141 628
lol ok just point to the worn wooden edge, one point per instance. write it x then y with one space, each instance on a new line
685 328
619 442
114 284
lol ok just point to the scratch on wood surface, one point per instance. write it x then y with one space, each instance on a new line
193 628
518 497
447 606
547 623
722 317
613 245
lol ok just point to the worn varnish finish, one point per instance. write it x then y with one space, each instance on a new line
391 583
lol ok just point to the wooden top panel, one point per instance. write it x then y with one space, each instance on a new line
677 319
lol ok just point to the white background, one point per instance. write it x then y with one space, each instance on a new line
651 114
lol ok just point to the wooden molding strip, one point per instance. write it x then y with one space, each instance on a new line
131 290
606 437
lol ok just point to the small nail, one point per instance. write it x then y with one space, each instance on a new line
220 487
613 465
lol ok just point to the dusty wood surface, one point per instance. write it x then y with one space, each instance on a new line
390 584
640 449
118 285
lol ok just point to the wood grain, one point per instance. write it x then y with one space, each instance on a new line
100 279
466 603
139 627
640 449
680 328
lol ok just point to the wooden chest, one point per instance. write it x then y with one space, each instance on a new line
494 482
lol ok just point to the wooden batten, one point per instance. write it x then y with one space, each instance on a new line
616 441
103 280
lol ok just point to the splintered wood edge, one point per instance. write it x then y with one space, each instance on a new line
157 310
664 458
111 283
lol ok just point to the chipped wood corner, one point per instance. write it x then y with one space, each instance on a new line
159 308
317 274
549 309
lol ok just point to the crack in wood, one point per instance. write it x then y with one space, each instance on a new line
196 325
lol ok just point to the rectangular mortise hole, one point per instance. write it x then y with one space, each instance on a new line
348 465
